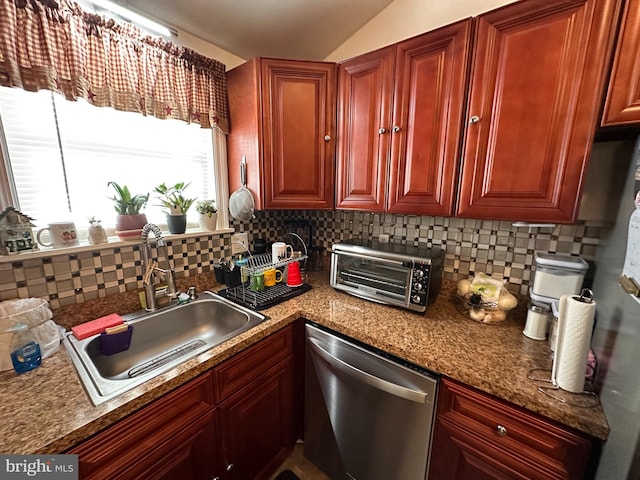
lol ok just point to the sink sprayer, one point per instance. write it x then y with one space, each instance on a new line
153 275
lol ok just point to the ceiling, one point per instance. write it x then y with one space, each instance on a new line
295 29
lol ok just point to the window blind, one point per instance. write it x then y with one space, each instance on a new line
63 153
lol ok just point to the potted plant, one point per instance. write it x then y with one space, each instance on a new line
208 214
129 221
176 205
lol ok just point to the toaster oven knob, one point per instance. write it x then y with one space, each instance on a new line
416 299
419 273
419 287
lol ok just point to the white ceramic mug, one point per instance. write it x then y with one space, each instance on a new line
61 234
280 251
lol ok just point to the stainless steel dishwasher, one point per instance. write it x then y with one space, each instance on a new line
368 416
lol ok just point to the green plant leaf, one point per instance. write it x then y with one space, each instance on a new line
124 203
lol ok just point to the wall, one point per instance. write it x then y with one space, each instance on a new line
207 49
400 20
492 247
66 279
471 246
406 18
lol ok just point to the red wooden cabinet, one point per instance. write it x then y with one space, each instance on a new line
172 438
282 115
477 436
256 426
537 80
365 91
237 421
256 395
622 106
399 117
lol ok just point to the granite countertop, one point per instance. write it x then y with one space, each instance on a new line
47 410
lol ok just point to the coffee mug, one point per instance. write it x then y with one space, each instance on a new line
294 276
271 277
61 234
281 251
256 282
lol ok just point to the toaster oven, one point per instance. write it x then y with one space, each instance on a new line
399 275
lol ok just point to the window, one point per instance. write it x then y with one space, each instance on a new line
61 154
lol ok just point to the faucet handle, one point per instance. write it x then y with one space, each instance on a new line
192 293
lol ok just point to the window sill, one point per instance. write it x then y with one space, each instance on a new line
114 242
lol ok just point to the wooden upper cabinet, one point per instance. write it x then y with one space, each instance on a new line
365 91
537 81
399 115
429 98
622 106
283 120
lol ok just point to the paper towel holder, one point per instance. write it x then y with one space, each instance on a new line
586 296
585 398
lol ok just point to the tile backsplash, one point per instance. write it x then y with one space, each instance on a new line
493 247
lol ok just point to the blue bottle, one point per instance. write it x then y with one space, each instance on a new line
25 350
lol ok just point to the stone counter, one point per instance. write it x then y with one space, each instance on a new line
47 410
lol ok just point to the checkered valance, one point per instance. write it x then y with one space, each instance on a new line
55 45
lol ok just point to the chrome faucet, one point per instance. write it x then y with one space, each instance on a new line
158 282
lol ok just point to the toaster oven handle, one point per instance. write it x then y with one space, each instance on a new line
365 377
370 257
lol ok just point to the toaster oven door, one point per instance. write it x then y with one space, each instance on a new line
379 279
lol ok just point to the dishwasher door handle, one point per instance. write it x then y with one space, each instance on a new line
365 377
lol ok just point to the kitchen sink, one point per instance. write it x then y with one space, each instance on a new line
160 341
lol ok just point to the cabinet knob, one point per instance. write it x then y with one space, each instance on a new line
327 138
229 467
382 130
474 119
396 129
215 477
502 431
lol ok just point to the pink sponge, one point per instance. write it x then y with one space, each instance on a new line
98 325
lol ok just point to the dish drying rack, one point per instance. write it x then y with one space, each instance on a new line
263 261
270 296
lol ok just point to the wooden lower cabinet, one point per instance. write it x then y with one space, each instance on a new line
478 437
256 426
236 421
173 437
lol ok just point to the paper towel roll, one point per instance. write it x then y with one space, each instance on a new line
575 323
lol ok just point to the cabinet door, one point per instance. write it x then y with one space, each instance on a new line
171 438
623 98
298 101
252 363
365 89
479 437
430 86
536 86
256 425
